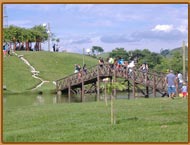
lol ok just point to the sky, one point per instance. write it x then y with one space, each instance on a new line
130 26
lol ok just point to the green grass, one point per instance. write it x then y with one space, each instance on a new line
53 66
138 120
17 75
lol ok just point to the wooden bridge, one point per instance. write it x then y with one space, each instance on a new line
89 82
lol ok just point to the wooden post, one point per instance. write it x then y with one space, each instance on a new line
133 73
146 83
59 92
128 89
82 89
184 74
69 93
114 80
147 92
105 97
154 85
98 84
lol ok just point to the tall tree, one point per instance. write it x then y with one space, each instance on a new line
119 52
97 50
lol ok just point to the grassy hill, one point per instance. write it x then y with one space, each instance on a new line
52 66
16 75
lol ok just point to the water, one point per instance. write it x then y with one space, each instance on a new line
20 100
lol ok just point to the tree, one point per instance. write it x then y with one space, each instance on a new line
173 62
145 55
109 87
21 36
40 34
119 52
97 50
164 52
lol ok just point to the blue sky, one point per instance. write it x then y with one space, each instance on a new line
131 26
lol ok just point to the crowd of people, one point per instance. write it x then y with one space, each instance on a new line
113 63
175 82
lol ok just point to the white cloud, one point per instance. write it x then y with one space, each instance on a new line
165 28
182 28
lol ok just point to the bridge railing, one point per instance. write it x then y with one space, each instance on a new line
151 78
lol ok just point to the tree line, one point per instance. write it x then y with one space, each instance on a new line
24 37
166 59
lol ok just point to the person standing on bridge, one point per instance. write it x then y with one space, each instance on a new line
144 69
171 84
101 62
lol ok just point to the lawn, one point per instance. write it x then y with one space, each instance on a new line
137 120
16 75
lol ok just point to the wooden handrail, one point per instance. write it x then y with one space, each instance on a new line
153 78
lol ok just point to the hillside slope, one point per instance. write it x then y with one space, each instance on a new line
52 66
16 75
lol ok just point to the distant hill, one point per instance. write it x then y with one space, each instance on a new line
103 55
180 50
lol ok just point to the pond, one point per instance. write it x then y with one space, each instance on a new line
20 100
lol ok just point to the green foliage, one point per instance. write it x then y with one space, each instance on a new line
97 49
173 62
154 60
164 52
119 52
113 85
14 33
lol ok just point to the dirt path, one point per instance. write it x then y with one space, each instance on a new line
35 73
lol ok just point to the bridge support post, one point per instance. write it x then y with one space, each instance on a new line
59 92
98 84
133 83
128 89
147 92
82 89
82 93
154 85
69 93
114 80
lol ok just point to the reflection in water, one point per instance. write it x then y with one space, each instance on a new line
59 99
20 100
39 100
4 99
